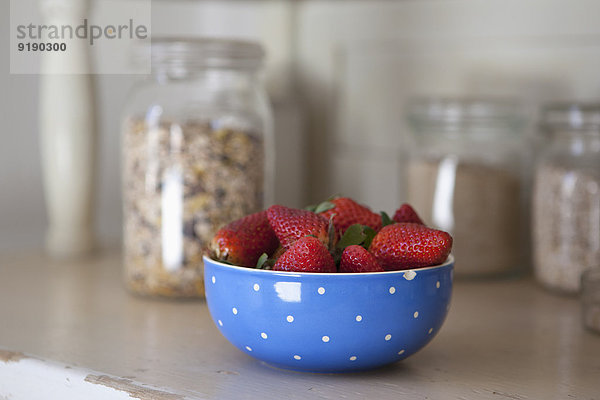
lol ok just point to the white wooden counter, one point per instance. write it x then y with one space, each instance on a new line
70 330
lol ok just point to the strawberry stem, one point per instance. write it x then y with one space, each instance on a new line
262 260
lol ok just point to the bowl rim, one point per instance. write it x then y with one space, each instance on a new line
449 262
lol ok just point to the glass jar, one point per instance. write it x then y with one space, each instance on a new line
196 155
566 196
465 177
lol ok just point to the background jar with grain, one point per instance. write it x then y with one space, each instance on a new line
465 177
566 196
196 140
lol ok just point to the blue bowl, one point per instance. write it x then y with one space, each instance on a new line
328 322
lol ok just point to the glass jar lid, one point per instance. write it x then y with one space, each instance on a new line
464 114
187 53
572 116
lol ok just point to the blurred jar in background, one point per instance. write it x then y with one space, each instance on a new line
566 196
196 155
465 177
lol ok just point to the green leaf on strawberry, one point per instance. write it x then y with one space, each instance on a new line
324 206
353 235
385 219
321 207
356 234
370 234
311 207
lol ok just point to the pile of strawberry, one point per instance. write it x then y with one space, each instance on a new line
338 235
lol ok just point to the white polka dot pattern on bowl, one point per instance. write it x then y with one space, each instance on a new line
318 335
410 275
325 338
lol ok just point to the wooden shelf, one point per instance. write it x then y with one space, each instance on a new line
82 334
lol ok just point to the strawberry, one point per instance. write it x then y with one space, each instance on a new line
347 212
409 245
308 254
357 259
291 224
407 214
242 242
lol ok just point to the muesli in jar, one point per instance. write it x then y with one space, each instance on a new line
195 155
182 181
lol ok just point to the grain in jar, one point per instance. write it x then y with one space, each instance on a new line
566 196
465 177
195 139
